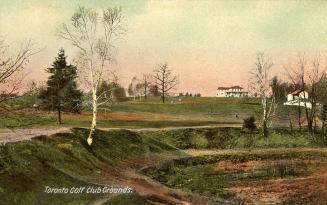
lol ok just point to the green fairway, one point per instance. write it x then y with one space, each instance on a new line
140 113
190 105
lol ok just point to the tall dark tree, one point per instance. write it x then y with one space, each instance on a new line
279 91
119 93
322 99
61 93
104 91
111 91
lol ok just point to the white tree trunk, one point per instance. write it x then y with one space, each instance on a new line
264 107
94 116
264 117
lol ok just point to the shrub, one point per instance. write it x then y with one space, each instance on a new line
249 123
198 141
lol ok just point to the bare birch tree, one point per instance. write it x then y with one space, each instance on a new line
260 83
165 80
11 64
304 76
297 77
93 34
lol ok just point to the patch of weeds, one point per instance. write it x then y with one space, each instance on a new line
128 199
198 141
199 174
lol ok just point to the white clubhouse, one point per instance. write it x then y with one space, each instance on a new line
233 91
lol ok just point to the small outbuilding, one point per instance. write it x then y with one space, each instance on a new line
298 97
297 94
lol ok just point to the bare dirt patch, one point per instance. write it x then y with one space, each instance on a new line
255 164
203 152
226 165
305 190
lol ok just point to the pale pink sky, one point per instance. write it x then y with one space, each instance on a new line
207 43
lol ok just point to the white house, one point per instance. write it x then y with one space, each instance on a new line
234 91
298 97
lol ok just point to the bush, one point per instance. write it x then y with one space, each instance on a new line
249 123
198 141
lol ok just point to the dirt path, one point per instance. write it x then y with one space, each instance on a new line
174 128
14 135
153 191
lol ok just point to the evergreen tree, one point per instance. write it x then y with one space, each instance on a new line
61 93
112 91
130 90
119 94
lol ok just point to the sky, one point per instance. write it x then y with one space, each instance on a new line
207 43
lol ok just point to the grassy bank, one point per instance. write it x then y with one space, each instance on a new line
145 113
231 138
64 160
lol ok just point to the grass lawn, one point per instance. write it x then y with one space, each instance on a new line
48 120
190 106
189 111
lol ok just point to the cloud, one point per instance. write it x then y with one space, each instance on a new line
208 43
30 21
